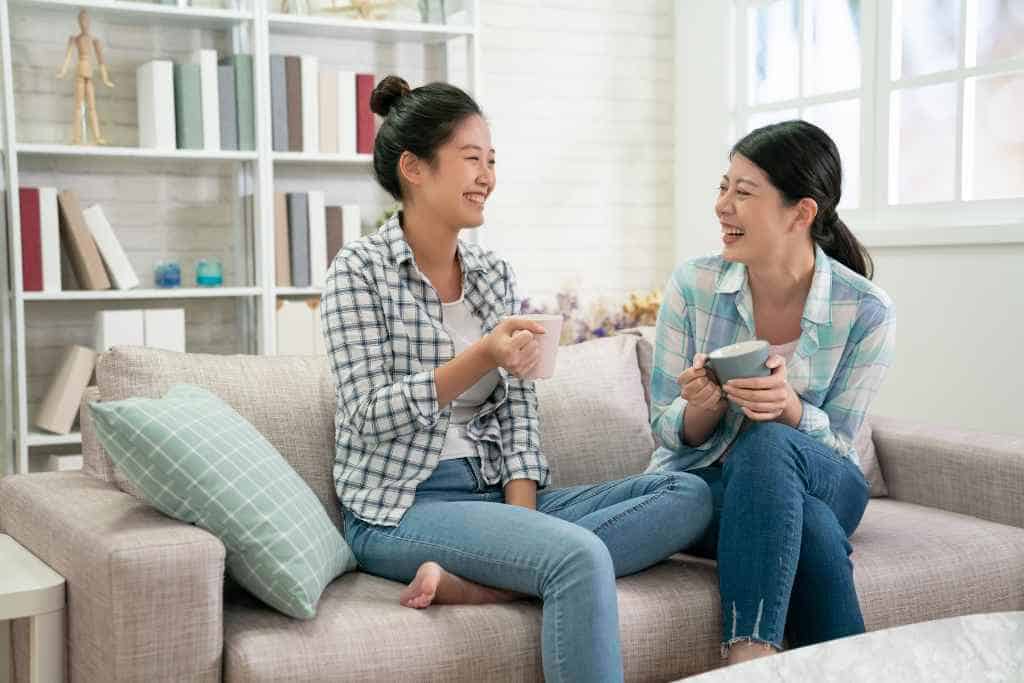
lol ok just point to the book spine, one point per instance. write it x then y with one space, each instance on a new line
282 246
352 222
293 86
279 102
60 405
310 104
335 231
226 105
155 105
365 125
209 98
347 113
31 240
328 111
85 258
317 239
120 269
245 102
49 227
298 231
187 107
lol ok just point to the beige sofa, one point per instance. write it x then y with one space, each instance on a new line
147 598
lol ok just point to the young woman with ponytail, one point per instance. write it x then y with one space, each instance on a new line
776 451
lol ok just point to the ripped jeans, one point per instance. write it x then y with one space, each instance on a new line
785 505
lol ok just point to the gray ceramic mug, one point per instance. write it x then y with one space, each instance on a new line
739 361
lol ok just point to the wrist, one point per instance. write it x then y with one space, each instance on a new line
482 353
794 410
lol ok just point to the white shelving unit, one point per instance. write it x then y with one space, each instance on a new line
252 28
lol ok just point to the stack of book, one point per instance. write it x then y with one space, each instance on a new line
320 110
308 235
205 103
52 223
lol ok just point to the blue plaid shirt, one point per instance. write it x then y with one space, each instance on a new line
844 350
381 319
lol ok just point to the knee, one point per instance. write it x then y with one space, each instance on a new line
765 445
691 498
585 558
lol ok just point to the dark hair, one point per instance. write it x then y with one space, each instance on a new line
801 160
419 120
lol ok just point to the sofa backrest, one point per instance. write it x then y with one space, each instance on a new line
593 416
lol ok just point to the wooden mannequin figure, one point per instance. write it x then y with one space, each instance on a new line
84 88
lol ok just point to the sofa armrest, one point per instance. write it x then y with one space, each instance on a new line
973 473
144 591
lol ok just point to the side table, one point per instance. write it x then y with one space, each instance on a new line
29 588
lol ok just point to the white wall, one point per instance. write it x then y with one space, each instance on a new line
951 301
580 99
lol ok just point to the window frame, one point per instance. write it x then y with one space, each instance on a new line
882 223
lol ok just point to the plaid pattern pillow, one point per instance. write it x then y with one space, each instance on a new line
197 460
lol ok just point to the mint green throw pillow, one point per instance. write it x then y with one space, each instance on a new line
197 460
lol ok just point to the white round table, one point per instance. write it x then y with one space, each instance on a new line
29 588
979 647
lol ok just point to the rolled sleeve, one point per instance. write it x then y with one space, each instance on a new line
371 402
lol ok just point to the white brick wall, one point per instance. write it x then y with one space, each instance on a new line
579 96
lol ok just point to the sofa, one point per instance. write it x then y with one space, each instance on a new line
148 600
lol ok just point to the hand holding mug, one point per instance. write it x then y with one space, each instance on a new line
512 345
698 387
763 399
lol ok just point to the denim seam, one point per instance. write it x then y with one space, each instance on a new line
575 501
648 499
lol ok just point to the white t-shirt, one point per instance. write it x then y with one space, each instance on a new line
464 329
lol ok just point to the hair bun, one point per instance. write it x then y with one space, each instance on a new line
387 93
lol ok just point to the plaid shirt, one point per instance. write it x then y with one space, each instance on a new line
381 319
844 351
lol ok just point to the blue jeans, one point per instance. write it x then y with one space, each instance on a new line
785 505
567 552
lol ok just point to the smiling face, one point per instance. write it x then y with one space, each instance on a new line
455 187
757 224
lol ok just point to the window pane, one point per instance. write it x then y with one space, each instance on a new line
774 57
832 59
1000 30
995 144
763 118
929 35
922 164
841 120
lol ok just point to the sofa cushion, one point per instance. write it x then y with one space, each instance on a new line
864 443
197 460
911 564
288 399
593 417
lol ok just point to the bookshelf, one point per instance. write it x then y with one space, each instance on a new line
245 307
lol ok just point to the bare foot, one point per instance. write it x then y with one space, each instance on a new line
744 651
432 584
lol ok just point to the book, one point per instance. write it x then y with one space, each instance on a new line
293 88
310 73
365 124
154 84
282 248
119 328
188 113
298 235
60 405
244 100
317 238
352 222
279 103
209 98
298 328
346 112
31 240
335 232
226 107
328 111
49 228
164 328
79 244
120 270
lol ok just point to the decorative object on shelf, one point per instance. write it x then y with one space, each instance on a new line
85 90
358 9
167 274
602 318
432 11
209 272
295 6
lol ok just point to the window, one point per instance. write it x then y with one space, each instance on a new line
924 98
